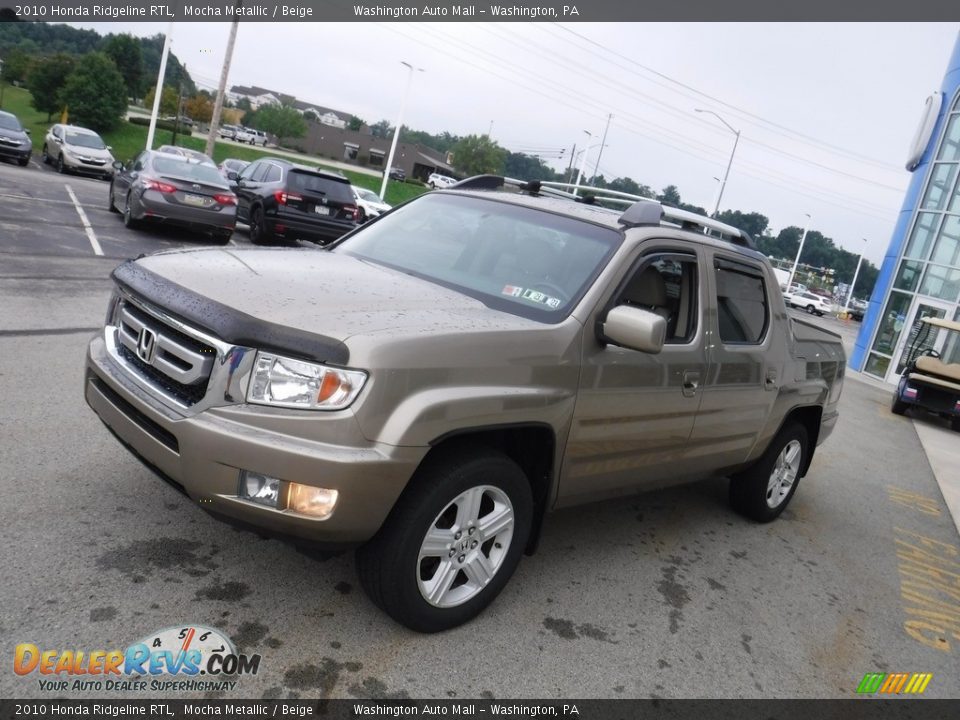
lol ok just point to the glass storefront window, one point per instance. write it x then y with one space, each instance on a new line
947 250
922 237
940 187
941 282
950 150
877 365
891 323
909 276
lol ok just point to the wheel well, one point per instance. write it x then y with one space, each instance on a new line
530 446
809 417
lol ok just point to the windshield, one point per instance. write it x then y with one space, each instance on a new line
521 260
9 122
87 140
368 195
176 166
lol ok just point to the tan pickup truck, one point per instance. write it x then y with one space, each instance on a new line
434 383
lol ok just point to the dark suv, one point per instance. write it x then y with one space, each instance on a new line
279 199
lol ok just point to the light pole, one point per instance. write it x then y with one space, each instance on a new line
396 132
1 84
793 270
723 183
159 91
854 283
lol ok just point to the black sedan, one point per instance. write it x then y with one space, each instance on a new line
171 189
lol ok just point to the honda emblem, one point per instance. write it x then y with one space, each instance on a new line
146 345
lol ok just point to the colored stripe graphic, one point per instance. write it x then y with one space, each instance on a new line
894 683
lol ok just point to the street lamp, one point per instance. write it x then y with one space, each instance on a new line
396 132
723 183
793 270
854 283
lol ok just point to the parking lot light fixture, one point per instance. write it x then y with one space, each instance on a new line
396 131
796 260
723 183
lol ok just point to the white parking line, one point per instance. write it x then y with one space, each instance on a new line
86 223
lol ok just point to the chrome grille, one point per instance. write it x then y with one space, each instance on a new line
167 358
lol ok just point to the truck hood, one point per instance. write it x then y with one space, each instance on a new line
304 301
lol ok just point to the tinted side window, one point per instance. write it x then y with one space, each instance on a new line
260 173
249 170
742 310
273 174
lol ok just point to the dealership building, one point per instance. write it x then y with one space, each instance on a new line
920 275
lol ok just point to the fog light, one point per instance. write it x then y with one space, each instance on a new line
313 501
259 488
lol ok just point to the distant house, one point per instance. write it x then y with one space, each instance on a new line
257 96
322 115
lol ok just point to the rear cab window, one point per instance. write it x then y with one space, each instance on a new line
743 313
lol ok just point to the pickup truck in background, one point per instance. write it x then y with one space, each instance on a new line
430 386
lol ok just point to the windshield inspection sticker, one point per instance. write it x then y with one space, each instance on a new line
531 295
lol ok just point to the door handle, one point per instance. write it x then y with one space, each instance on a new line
691 382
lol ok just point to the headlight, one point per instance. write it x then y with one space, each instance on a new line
286 382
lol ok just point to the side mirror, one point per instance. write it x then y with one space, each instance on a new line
232 175
635 328
27 130
117 165
109 147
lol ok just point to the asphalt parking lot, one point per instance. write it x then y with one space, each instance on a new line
664 595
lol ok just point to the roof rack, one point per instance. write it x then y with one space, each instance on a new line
640 210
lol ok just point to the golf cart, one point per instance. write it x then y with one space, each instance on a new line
931 380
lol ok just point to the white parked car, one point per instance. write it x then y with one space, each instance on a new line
243 135
811 302
436 180
256 137
370 204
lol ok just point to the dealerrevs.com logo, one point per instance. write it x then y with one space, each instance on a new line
178 659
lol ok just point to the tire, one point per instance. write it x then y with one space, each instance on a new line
432 186
222 238
44 157
22 162
810 309
60 166
110 206
258 235
765 489
955 424
898 406
361 215
454 497
128 219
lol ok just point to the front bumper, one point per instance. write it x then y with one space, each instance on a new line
15 152
74 164
203 454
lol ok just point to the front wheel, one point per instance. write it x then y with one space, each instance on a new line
810 309
60 166
451 542
110 204
22 162
44 157
765 489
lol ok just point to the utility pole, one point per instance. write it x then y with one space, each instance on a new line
176 121
603 144
159 91
569 175
221 88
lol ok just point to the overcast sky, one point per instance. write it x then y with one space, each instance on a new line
826 111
